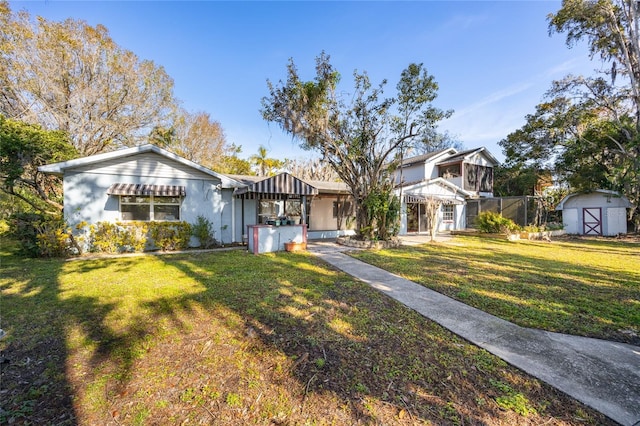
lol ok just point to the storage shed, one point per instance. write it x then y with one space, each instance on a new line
601 212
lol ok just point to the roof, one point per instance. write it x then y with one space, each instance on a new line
608 192
323 187
60 168
463 155
330 187
280 184
428 156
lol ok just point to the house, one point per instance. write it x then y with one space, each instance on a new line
447 177
601 212
148 183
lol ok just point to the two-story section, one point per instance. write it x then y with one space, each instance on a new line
444 180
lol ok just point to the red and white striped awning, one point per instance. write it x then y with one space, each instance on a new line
277 187
145 189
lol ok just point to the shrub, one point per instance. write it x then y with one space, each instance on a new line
170 235
495 223
203 231
109 237
54 239
41 236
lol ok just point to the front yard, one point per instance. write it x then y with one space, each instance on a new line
586 287
232 338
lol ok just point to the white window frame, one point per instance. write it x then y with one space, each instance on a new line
448 213
151 203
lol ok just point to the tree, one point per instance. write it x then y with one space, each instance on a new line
200 139
264 165
23 148
363 139
73 77
230 163
609 105
311 169
518 180
588 128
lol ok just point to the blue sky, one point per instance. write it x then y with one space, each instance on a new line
493 60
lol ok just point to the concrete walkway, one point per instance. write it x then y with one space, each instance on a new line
603 375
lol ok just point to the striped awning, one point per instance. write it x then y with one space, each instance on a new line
144 189
281 186
424 198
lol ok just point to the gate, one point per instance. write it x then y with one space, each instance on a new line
592 220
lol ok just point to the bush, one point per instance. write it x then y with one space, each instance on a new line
54 239
41 236
109 237
170 235
203 231
495 223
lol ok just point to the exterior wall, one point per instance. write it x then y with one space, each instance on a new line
145 164
86 198
479 159
321 213
413 173
428 189
250 217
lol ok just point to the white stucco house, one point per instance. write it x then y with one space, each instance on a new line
449 176
148 183
600 212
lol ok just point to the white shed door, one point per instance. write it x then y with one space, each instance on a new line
592 220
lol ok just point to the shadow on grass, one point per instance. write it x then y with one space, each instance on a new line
34 385
232 338
550 286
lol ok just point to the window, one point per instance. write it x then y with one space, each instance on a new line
274 209
146 208
449 171
448 212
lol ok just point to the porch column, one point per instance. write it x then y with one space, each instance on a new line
303 209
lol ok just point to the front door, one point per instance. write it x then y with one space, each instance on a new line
592 220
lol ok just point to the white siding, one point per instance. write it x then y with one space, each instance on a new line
570 221
147 164
616 221
414 173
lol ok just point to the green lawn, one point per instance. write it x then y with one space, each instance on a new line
583 287
233 338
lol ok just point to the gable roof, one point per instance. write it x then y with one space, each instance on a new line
60 168
426 157
463 155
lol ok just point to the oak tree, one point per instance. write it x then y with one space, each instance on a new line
73 77
362 136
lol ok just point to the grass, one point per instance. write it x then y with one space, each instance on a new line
233 338
581 287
